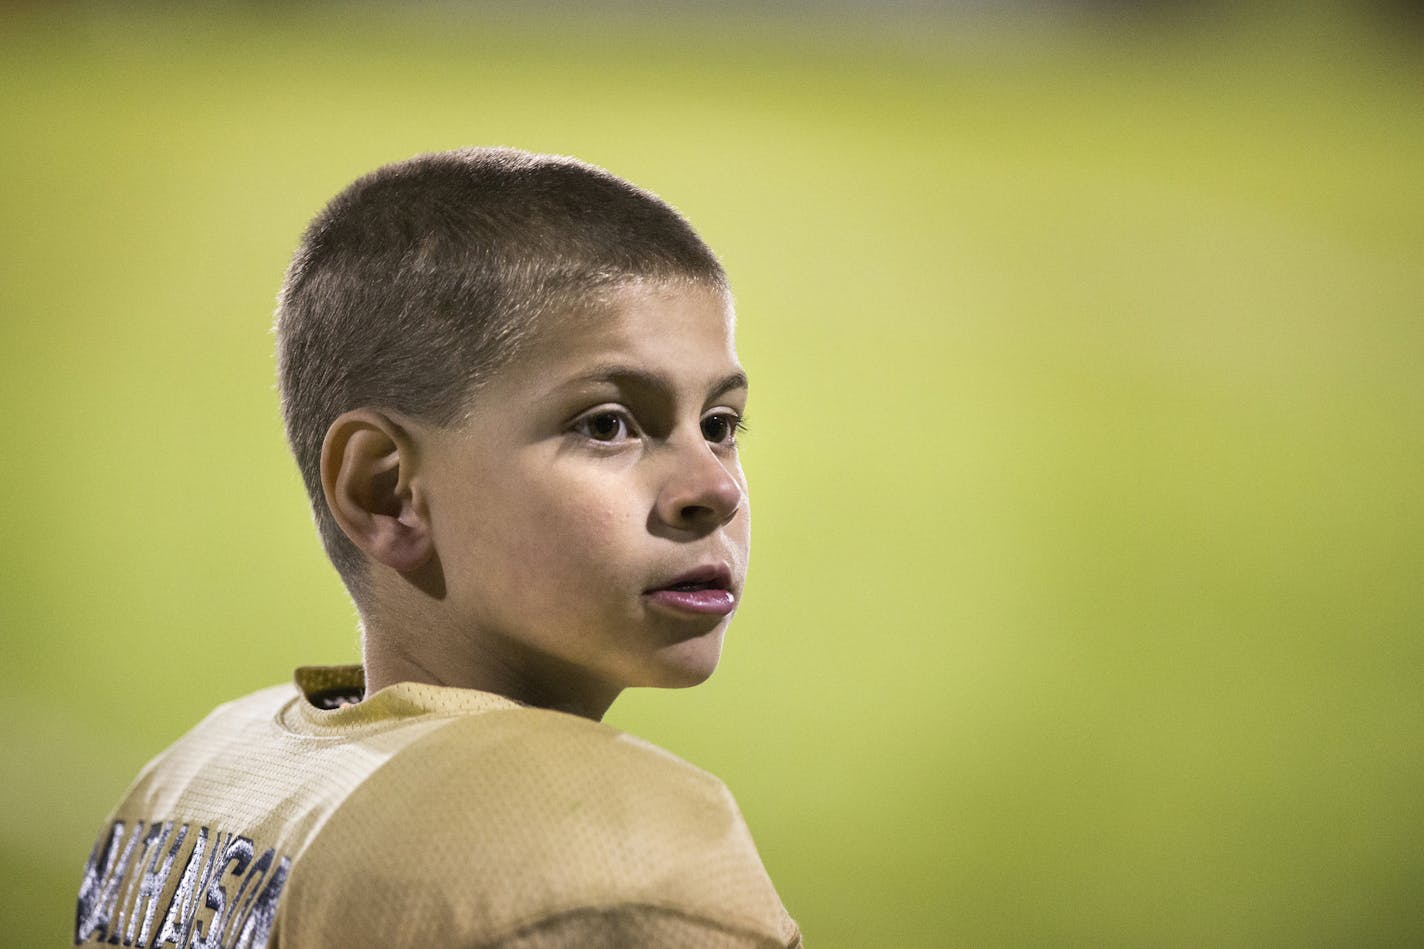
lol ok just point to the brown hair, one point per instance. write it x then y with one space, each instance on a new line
422 278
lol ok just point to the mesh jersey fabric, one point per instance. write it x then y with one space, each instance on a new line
422 816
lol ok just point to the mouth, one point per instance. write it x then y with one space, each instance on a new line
705 590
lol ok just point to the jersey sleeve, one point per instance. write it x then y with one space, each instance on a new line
526 829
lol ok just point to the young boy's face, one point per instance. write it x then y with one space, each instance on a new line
590 517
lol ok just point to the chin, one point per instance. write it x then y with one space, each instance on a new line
685 664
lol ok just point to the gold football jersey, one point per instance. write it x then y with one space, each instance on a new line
421 816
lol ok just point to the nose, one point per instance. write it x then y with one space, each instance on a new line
701 493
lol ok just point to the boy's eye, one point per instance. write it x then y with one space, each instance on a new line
603 426
722 428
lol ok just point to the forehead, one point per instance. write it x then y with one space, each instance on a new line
680 329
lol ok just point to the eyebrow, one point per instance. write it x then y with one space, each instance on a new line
634 377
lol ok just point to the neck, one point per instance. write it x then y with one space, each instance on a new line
471 662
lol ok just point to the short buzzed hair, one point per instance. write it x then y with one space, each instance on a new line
422 278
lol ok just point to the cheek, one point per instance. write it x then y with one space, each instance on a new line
741 528
572 534
741 534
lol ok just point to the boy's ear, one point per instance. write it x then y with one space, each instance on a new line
368 464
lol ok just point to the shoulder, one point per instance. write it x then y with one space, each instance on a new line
498 822
238 723
531 775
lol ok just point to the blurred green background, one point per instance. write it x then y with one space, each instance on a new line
1086 447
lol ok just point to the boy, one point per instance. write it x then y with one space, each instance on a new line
509 381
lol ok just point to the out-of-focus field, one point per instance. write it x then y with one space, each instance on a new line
1087 438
